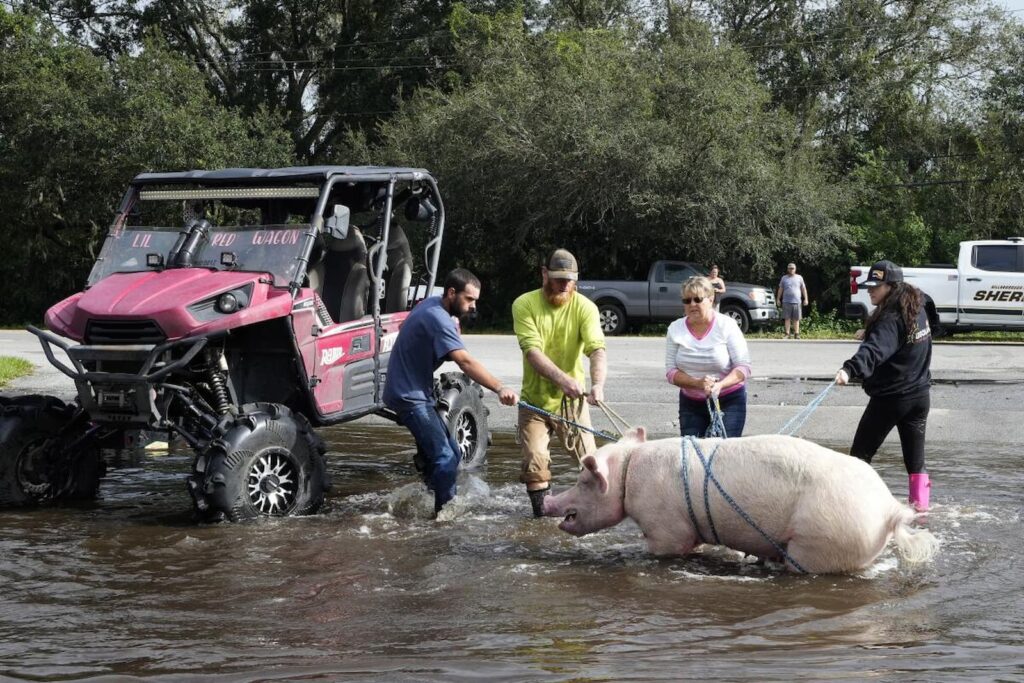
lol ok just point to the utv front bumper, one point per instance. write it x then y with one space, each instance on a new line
127 396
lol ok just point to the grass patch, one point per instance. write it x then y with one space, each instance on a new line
12 368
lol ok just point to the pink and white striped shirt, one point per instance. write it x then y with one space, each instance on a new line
720 350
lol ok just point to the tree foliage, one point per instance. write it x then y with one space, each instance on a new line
75 128
621 150
748 132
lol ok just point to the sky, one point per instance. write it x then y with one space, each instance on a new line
1015 6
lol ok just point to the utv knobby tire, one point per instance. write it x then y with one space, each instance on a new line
267 463
461 407
42 457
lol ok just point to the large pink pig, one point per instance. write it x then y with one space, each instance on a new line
817 510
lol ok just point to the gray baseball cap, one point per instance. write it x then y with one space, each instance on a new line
562 265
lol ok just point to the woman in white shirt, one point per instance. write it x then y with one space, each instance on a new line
706 355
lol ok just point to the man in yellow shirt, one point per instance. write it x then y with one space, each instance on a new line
556 327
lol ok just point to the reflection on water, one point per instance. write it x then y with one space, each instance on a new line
373 589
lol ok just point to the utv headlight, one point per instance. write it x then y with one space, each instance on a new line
222 304
227 303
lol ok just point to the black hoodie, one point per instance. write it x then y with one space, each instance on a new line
892 361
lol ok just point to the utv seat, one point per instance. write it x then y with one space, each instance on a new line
399 270
346 280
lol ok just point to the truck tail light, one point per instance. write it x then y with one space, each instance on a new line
854 274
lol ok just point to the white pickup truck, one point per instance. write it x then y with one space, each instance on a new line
983 291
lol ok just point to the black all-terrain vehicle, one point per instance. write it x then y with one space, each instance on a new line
237 310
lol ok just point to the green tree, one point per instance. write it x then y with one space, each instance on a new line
622 149
322 67
74 129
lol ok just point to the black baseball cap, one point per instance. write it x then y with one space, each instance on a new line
883 271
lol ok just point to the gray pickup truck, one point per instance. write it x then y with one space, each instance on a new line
624 302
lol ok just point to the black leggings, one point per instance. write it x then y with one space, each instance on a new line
908 415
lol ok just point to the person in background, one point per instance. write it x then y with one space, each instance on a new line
556 327
428 337
894 362
706 356
718 284
791 293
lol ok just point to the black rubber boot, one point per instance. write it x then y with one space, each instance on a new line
537 500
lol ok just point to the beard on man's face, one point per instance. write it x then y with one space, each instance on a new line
555 296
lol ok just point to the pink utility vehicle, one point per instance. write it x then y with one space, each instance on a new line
237 309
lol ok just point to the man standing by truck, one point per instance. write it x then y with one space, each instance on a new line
556 327
792 292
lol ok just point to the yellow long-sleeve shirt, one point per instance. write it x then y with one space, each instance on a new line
564 334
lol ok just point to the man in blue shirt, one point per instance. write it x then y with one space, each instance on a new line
427 338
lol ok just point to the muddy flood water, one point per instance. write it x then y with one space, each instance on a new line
373 590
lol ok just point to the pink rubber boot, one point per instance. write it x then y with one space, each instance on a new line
920 488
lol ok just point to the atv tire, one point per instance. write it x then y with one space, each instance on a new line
48 452
461 407
266 463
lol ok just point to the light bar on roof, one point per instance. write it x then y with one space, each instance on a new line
231 193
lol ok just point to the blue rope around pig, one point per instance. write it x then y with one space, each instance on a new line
709 477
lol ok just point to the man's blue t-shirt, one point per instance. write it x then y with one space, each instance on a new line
426 337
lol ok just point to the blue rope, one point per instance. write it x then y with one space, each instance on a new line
707 498
716 428
686 492
706 462
541 411
805 412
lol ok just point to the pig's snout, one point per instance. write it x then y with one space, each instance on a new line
556 506
550 506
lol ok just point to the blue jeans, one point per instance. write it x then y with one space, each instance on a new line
438 448
694 418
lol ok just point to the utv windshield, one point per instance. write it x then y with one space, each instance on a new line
253 234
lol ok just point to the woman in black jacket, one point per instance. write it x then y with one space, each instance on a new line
894 361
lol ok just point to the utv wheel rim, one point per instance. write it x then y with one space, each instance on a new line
273 483
31 470
466 435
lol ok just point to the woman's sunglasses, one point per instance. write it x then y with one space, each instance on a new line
693 300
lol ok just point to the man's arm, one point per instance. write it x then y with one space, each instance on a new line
803 290
479 374
547 369
598 372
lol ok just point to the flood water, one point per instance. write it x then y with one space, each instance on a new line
372 589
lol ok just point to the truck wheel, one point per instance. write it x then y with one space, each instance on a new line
461 407
266 463
737 313
938 331
48 452
613 318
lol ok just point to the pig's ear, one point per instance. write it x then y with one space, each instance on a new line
638 434
599 470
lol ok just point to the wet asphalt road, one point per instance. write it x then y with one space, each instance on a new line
977 397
